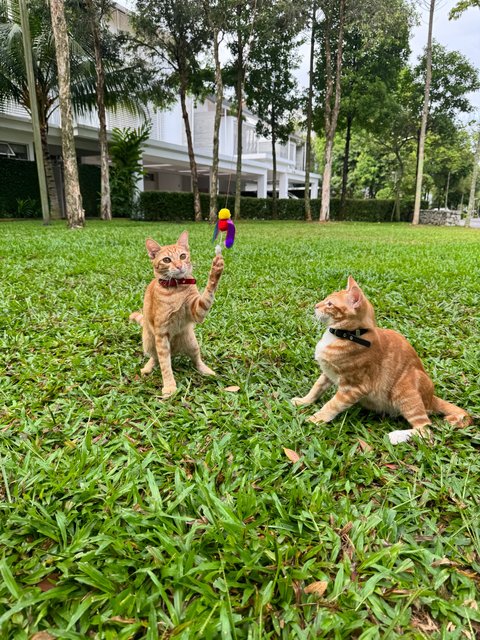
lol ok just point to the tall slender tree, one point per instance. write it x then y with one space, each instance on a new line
332 91
175 32
125 83
73 197
309 109
97 11
423 126
271 91
215 12
13 77
243 33
27 51
374 54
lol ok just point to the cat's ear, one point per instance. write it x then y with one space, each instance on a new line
355 294
183 240
152 248
351 283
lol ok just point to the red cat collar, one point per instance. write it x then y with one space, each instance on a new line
175 282
354 336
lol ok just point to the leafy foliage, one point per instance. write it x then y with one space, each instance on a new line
126 150
123 516
461 6
125 83
271 89
453 79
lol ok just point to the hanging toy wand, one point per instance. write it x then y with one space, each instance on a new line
224 224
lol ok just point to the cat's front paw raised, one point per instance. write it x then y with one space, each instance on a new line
218 265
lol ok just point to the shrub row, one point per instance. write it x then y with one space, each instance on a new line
20 197
19 188
172 206
20 193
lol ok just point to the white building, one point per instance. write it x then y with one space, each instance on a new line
165 156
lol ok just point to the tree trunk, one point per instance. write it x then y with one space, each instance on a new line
308 142
346 158
73 197
398 187
34 110
216 128
239 92
191 154
274 174
55 210
473 184
447 188
326 179
331 115
105 202
423 128
416 160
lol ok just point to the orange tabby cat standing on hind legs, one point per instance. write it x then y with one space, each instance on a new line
172 306
374 367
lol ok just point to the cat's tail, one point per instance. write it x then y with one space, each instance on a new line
453 414
137 317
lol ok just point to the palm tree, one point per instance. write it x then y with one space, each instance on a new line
125 85
13 78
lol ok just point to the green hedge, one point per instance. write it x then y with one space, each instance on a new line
19 185
20 193
172 206
20 197
370 210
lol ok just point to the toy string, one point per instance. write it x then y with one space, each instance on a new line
218 246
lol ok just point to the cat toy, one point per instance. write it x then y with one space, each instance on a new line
224 225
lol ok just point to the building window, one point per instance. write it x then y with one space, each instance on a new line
13 151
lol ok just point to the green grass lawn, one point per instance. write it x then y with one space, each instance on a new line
125 516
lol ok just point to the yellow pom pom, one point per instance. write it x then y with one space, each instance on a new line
224 214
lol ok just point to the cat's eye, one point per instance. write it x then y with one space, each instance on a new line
167 260
329 304
183 256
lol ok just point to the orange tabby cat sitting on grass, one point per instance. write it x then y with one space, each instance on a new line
375 367
172 306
